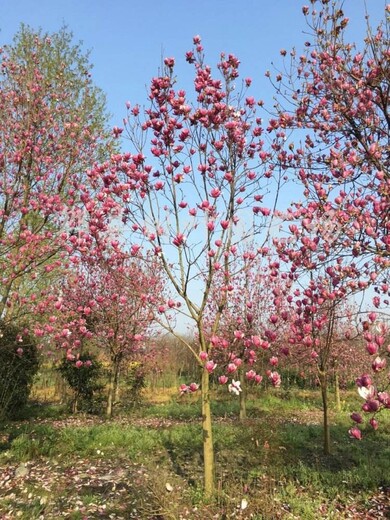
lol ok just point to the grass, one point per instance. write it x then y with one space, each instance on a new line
274 460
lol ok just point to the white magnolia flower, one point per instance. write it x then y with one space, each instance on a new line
235 387
366 392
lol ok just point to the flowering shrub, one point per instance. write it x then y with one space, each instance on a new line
82 375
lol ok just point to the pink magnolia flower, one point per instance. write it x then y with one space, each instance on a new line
238 334
117 131
184 389
378 364
250 375
356 417
215 193
134 249
364 380
193 387
371 406
159 185
65 333
223 380
275 379
231 368
203 356
374 423
169 62
78 363
384 398
355 433
179 240
256 341
372 348
210 366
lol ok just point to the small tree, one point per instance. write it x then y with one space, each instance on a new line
247 338
108 301
83 376
192 188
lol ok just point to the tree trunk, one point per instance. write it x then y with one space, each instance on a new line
337 392
324 394
208 447
112 387
117 397
243 395
75 404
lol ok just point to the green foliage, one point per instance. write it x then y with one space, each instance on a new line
135 383
65 71
18 365
97 441
84 381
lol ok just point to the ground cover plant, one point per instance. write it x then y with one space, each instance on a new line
148 464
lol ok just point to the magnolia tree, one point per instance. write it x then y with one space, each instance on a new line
336 131
109 303
321 330
249 331
52 127
192 189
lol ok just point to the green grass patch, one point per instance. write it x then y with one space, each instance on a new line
274 459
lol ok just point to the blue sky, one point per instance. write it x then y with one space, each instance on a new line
128 38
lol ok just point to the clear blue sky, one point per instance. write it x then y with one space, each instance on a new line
128 38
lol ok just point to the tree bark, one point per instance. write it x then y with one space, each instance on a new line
243 395
324 394
208 447
112 387
337 392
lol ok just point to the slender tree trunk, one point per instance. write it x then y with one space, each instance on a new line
324 394
208 447
117 397
243 395
112 387
75 404
337 392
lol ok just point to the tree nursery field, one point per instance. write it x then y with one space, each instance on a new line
194 303
147 463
